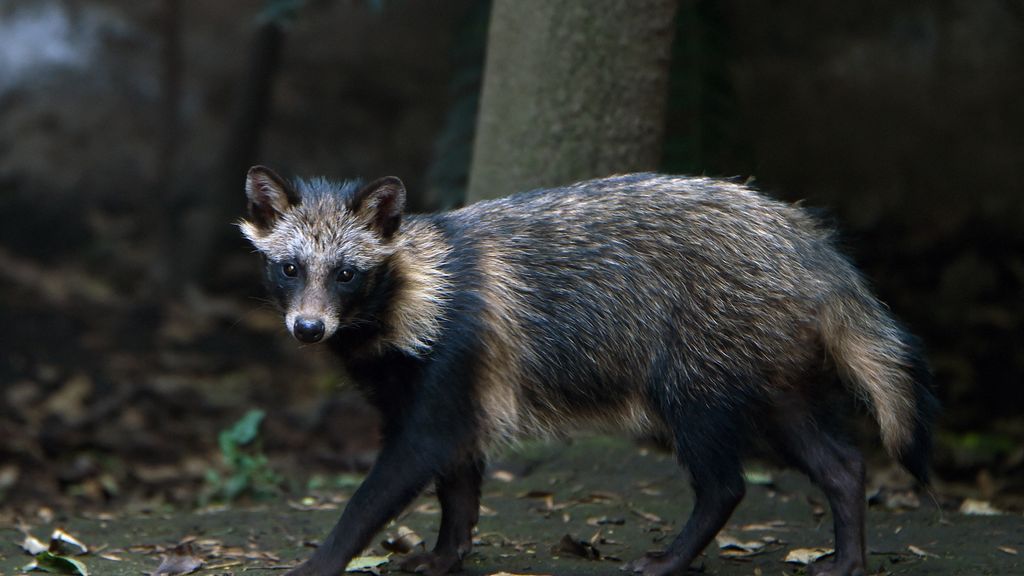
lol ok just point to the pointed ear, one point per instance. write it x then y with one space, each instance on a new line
381 203
269 197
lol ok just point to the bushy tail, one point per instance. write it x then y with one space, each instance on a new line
886 367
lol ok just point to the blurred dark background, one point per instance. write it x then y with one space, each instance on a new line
134 329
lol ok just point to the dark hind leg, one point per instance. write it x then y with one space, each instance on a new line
458 490
707 441
838 469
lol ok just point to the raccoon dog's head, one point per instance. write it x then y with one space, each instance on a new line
326 247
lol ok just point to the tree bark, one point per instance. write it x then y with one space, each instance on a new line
572 89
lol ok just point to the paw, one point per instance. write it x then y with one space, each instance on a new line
655 564
833 568
431 563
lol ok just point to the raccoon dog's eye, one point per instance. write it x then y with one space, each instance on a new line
290 270
346 274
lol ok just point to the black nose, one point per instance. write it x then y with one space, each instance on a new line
308 331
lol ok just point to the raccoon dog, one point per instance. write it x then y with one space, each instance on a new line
689 308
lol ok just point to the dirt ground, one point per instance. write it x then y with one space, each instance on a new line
619 499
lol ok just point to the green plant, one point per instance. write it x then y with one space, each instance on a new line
245 469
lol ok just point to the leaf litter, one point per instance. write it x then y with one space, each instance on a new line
764 526
33 546
55 557
66 540
920 552
371 564
50 562
807 556
972 507
406 540
731 547
181 560
652 518
576 547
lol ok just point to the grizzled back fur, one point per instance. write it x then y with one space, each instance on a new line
731 290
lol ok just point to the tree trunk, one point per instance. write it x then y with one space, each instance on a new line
573 89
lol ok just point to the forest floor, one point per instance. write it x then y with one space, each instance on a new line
579 507
114 410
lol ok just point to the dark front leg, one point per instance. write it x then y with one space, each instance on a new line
458 490
402 470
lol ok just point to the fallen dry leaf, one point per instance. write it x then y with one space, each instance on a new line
770 525
577 547
817 507
547 497
895 499
45 514
369 564
1008 550
427 508
599 496
646 515
61 540
181 560
978 508
262 555
9 474
730 547
32 545
69 402
604 520
806 556
226 551
50 562
223 566
309 503
405 541
500 540
920 552
503 476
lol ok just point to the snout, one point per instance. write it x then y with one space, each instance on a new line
308 330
